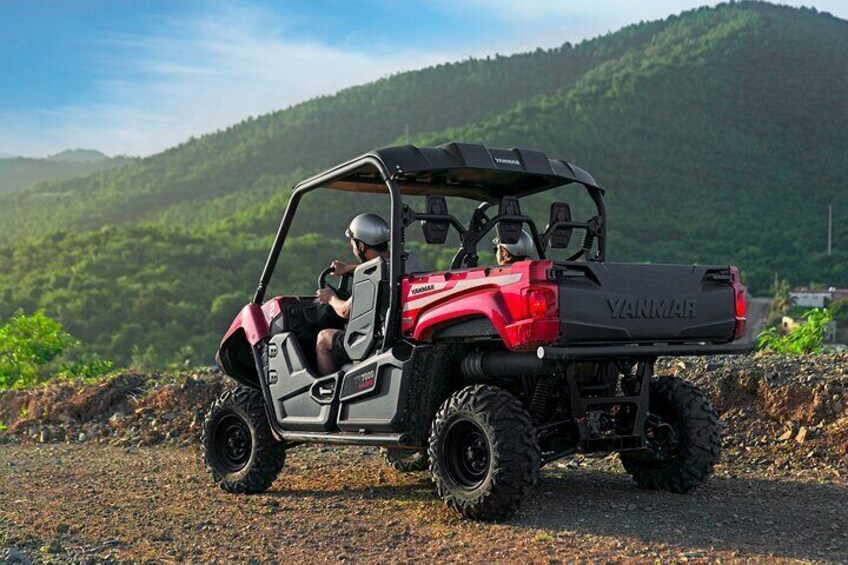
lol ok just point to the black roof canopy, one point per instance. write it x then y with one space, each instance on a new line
457 169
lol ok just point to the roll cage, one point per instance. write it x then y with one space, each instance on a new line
491 175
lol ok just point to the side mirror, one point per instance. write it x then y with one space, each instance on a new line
509 231
436 231
559 236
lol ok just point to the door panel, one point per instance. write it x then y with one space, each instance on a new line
301 401
375 395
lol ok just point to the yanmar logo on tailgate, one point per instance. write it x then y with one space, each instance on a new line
651 308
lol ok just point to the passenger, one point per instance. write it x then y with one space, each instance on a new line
508 253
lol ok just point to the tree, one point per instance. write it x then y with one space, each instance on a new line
783 299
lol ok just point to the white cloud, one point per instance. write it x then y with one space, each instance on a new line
194 76
198 76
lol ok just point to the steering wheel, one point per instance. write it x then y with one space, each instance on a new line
343 288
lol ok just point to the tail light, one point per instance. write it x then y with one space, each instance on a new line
741 307
540 302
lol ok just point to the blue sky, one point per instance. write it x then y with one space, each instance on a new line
136 77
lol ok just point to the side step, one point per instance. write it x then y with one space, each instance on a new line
379 440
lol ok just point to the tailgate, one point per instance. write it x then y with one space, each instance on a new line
629 303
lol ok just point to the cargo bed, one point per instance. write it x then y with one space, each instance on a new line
642 304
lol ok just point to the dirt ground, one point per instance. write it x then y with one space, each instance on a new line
110 472
89 503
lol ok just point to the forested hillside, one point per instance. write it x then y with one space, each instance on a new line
17 173
721 136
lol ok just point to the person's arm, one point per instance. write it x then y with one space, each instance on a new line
339 306
341 268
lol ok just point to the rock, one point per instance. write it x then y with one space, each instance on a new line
82 437
802 434
787 435
11 555
53 547
43 437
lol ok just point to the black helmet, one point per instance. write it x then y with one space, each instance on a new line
370 229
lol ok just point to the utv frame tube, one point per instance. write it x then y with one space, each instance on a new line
390 327
395 225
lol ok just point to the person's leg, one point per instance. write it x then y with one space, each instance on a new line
324 350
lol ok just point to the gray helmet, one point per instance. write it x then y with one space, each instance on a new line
522 248
370 229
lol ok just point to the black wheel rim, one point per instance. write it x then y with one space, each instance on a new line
232 441
466 454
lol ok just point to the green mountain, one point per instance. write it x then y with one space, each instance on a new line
720 134
78 156
17 173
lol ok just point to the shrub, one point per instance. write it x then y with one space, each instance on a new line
86 367
806 338
35 348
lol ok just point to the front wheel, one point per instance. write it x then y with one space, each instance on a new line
484 455
684 439
239 450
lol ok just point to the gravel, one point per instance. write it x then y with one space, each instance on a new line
110 473
104 504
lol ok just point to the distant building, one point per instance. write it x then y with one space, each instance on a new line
817 297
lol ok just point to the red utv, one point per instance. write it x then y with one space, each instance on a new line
481 374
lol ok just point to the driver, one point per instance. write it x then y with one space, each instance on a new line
508 253
369 238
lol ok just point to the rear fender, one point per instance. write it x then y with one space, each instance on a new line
500 295
489 305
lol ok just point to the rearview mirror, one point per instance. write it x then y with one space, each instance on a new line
559 236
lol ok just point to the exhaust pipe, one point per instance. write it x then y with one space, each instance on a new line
502 364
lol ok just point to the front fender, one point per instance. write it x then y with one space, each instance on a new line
252 321
235 354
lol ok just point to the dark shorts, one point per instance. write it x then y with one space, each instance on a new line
340 356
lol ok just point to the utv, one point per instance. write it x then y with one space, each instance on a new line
481 374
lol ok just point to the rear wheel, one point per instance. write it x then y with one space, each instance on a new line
404 460
239 450
484 456
684 439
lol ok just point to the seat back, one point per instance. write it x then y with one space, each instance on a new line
366 307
